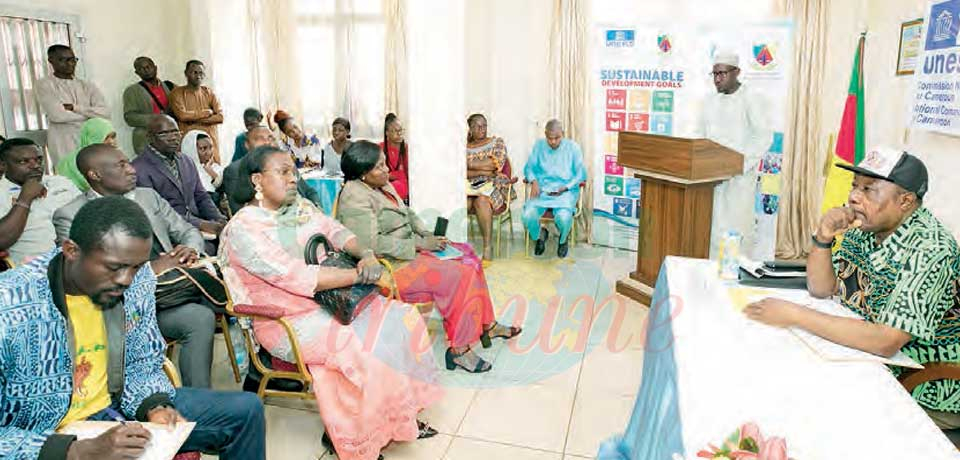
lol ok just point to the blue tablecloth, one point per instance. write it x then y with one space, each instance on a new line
328 188
654 431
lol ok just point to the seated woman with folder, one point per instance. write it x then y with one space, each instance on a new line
371 208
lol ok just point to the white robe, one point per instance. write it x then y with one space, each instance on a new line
63 132
738 121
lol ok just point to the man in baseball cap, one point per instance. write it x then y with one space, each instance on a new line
898 267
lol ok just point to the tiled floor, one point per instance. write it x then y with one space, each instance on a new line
536 404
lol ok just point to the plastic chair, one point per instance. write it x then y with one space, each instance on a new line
547 217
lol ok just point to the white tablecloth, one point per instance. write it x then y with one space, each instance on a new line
726 370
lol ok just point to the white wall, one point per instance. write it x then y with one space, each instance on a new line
887 95
506 70
116 32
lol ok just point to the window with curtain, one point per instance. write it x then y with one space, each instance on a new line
24 48
340 55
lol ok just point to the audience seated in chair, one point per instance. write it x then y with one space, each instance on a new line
109 359
28 199
94 131
197 146
165 169
395 147
143 99
307 150
251 119
489 186
67 101
256 137
371 208
333 152
554 171
897 267
174 243
358 377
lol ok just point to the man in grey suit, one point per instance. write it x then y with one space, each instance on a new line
175 243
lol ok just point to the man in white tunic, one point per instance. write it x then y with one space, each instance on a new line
68 102
735 117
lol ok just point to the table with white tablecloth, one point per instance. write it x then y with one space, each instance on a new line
708 369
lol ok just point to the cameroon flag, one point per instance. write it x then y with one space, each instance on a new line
850 148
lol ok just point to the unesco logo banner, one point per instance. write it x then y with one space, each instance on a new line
621 38
944 23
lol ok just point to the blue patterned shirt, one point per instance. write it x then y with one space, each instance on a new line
36 362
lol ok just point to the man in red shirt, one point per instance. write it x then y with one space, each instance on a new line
143 99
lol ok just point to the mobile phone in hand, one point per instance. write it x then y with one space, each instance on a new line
441 228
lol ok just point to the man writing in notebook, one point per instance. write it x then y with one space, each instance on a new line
79 341
897 267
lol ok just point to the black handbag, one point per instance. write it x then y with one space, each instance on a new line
343 303
180 285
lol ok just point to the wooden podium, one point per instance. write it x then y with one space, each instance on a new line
676 200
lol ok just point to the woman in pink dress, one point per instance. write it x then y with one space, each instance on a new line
372 377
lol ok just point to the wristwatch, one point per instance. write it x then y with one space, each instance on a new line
820 245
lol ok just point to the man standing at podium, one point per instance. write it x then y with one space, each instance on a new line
735 117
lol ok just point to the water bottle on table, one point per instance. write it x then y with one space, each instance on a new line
730 255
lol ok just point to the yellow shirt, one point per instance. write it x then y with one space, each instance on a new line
90 392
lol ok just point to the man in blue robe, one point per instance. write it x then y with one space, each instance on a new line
554 172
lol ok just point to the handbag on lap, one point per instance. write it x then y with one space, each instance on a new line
180 285
343 303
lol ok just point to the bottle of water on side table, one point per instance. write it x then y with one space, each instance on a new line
730 255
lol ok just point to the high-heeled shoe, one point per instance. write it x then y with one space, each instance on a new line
481 366
425 431
328 444
487 340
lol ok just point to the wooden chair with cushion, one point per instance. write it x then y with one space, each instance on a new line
912 378
547 218
501 218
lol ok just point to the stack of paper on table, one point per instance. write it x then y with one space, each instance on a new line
164 442
830 351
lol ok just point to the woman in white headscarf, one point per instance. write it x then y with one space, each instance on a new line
198 146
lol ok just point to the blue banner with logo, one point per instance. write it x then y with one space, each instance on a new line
935 106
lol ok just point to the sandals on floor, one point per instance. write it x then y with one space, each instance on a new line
425 431
487 340
480 367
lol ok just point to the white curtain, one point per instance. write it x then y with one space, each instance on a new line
804 145
434 119
569 98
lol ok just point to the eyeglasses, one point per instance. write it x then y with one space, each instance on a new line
720 73
282 172
72 60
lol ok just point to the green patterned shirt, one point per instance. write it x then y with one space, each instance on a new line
909 282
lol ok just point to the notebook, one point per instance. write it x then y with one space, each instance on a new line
825 349
164 443
447 253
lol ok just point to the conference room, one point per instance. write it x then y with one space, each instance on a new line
678 230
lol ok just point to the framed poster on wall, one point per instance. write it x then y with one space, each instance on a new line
909 51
